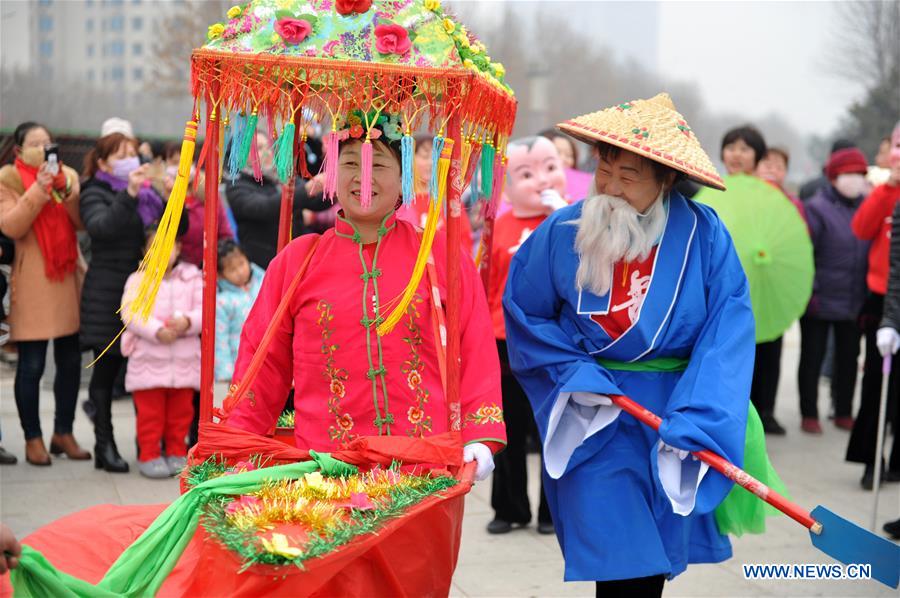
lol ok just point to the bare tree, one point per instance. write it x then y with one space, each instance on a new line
182 31
867 51
867 46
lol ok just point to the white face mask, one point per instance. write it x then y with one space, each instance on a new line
850 185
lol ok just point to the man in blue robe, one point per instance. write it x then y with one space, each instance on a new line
635 291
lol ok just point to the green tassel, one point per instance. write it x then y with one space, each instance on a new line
487 169
284 153
249 133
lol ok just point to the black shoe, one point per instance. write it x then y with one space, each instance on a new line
887 476
890 476
893 529
7 458
546 528
498 526
106 454
868 480
107 458
770 426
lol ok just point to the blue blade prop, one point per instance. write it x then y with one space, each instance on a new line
851 544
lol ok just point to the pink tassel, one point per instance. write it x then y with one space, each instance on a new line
499 173
365 184
330 167
254 160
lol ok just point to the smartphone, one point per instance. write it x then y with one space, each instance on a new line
51 155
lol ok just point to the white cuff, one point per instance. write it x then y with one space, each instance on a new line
574 418
680 474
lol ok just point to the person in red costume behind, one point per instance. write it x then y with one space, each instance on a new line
536 183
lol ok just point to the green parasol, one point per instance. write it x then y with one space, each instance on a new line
773 244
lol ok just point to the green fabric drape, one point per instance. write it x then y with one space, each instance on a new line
743 512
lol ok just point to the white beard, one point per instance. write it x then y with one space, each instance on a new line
609 231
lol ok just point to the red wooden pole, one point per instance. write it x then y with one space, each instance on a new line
487 241
210 259
454 290
727 469
285 217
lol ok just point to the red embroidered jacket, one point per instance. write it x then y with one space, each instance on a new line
349 382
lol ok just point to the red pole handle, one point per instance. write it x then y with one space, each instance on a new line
286 213
727 469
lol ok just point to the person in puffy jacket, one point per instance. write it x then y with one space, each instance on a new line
238 286
164 364
839 290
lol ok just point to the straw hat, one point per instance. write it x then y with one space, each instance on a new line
652 129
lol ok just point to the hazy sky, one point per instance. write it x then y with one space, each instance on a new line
757 58
747 57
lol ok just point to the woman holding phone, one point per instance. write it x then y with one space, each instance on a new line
39 210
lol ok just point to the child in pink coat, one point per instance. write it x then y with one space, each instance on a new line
164 365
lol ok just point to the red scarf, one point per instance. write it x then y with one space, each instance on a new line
54 231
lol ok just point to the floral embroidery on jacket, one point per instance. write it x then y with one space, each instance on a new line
341 432
486 414
414 367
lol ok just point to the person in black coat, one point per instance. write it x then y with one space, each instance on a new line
256 206
109 210
7 251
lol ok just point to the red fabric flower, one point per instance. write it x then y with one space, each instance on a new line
392 39
292 31
356 131
348 7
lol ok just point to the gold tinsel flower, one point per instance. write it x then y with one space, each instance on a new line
279 545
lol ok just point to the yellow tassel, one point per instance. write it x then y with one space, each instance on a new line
222 126
480 255
464 154
156 261
434 216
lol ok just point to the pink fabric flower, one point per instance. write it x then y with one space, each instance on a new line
330 47
244 502
359 501
392 39
292 31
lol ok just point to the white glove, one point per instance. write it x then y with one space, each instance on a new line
482 454
552 199
888 341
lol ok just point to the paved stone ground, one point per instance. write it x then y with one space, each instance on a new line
521 563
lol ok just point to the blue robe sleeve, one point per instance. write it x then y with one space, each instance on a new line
708 406
552 369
